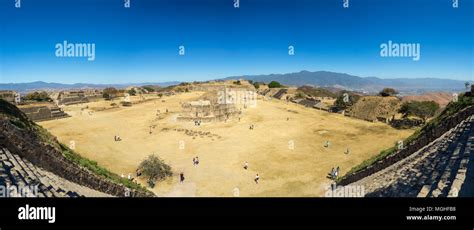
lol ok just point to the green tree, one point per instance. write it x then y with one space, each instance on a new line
274 84
421 109
132 92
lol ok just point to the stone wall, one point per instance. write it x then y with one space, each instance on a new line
43 113
423 140
27 144
405 123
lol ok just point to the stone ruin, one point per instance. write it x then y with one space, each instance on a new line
43 112
76 97
218 105
204 110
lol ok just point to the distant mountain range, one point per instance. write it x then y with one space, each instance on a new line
351 82
40 85
318 78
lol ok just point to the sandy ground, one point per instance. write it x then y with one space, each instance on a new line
289 155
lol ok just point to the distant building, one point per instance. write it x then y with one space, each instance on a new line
71 97
10 96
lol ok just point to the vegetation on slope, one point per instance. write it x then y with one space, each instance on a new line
19 119
421 109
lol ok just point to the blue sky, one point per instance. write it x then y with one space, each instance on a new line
140 44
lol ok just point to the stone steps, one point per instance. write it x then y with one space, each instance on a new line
459 154
17 171
436 170
460 176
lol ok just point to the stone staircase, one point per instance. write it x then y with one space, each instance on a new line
439 169
280 93
57 113
15 171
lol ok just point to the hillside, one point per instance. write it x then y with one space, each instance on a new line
442 98
351 82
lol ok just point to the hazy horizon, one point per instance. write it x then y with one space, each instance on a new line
224 77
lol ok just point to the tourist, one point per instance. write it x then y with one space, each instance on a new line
246 165
194 161
332 173
129 176
326 144
257 178
181 177
197 160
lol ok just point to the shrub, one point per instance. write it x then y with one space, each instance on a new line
109 93
38 96
153 168
388 92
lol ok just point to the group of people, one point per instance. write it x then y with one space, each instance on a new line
251 127
257 177
197 123
196 161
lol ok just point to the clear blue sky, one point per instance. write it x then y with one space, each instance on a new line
140 44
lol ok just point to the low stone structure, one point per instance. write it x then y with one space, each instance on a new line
71 97
43 112
206 111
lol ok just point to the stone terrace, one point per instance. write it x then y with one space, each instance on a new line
441 169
